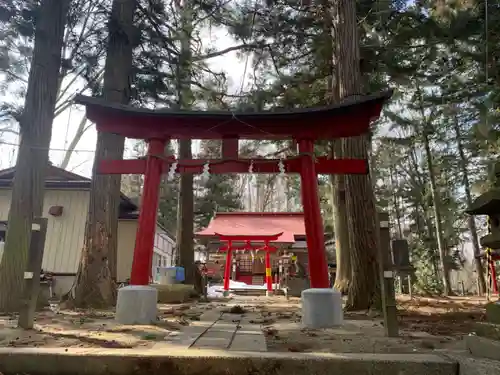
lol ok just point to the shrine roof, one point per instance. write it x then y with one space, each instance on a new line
486 204
349 118
256 223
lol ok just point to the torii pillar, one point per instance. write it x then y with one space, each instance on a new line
137 303
321 305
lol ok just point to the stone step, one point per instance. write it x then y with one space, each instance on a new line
255 292
488 330
469 365
483 347
170 360
258 280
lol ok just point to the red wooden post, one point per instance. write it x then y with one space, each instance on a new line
230 148
269 279
227 270
144 243
318 268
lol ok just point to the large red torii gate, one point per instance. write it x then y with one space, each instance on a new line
350 118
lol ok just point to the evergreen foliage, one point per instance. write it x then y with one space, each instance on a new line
218 193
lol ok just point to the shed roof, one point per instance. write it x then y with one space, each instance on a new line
256 223
58 178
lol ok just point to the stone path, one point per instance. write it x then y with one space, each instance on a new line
222 331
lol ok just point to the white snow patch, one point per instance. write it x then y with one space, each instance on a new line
216 291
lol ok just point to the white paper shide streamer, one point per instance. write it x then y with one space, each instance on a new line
281 167
172 170
206 171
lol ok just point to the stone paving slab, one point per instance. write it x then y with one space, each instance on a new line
227 333
250 328
219 331
248 342
186 337
215 340
199 324
223 326
228 317
105 361
210 316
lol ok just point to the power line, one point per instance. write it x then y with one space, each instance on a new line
48 148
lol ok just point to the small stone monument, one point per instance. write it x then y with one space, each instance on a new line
488 204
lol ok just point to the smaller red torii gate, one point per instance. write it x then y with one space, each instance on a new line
248 239
349 119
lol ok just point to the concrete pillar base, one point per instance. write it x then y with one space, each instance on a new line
269 293
322 308
225 293
136 304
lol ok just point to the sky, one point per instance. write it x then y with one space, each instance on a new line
65 125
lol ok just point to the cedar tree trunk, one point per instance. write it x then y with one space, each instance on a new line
32 159
95 283
185 221
364 289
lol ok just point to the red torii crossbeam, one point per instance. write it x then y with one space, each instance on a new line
266 239
323 165
350 118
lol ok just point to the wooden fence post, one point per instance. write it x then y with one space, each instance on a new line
32 273
390 308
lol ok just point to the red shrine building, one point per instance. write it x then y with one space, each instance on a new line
249 266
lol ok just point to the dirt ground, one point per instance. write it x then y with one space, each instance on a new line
98 329
426 324
454 316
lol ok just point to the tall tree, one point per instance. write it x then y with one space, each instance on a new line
343 276
81 68
36 131
471 222
364 289
185 211
435 198
95 281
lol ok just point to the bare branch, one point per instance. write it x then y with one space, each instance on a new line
8 131
13 75
222 52
61 107
74 142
